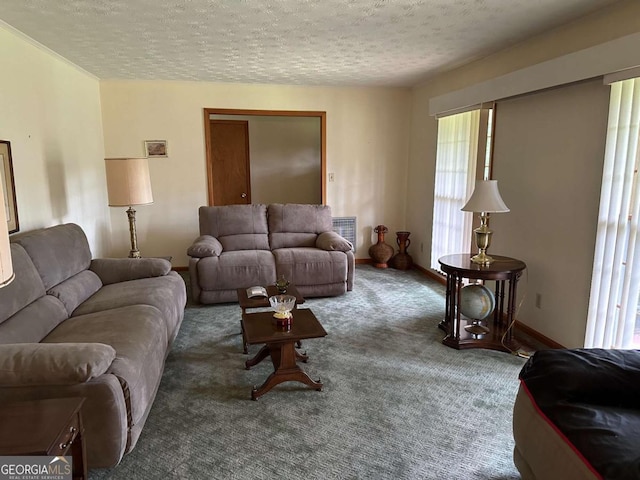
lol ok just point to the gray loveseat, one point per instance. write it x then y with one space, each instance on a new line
244 245
73 326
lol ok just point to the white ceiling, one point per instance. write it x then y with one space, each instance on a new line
306 42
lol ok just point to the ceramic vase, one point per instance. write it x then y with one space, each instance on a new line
402 260
381 252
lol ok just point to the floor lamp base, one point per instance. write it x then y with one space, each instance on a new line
134 252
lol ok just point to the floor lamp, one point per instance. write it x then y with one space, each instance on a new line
6 266
129 184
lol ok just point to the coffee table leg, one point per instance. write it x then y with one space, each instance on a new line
263 353
303 357
278 378
286 369
245 345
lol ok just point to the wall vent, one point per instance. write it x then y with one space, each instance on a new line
346 227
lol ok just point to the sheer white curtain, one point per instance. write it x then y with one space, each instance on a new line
615 283
455 178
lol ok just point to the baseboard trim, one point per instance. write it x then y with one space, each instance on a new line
363 261
537 335
431 274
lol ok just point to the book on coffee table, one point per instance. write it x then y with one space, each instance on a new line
253 292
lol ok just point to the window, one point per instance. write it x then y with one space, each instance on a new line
615 283
486 174
464 141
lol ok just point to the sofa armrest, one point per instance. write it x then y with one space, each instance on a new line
115 270
205 246
333 241
24 364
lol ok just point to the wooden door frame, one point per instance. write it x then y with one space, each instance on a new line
267 113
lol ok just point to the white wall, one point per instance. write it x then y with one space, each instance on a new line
562 297
548 157
367 149
50 112
285 160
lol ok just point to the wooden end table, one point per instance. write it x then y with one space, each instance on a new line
505 271
260 328
50 427
263 302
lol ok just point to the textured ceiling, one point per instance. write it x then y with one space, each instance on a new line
307 42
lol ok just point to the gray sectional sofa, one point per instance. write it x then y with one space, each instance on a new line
73 326
244 245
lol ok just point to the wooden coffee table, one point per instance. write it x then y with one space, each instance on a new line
260 328
262 302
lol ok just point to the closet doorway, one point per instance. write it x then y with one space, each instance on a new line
285 156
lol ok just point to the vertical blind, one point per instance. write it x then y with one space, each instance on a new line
455 177
615 282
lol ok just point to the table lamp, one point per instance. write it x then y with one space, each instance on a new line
485 199
129 184
6 266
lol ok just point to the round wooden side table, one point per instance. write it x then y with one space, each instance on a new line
505 272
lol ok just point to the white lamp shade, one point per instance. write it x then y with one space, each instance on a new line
128 182
486 198
6 266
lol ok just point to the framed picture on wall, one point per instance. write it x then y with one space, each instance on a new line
155 148
8 186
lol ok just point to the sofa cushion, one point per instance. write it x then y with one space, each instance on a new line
297 225
33 322
292 240
25 288
139 341
237 227
205 246
167 294
233 270
333 241
53 364
311 266
75 290
58 252
114 270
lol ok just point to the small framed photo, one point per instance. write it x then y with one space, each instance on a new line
8 186
155 148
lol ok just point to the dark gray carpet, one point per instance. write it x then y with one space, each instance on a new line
396 404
